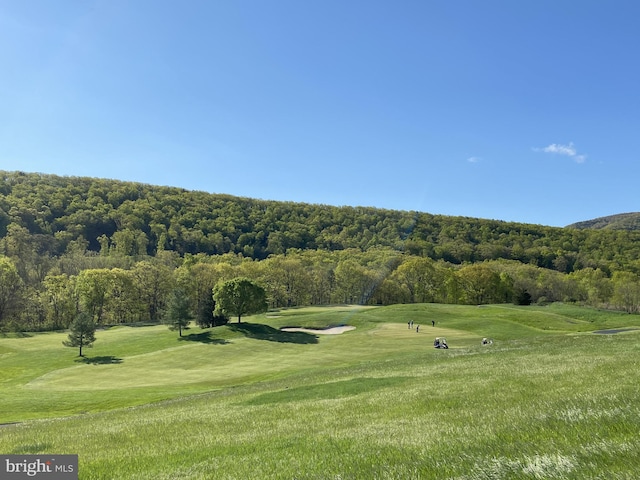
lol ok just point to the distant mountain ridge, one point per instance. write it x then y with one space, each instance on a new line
621 221
51 217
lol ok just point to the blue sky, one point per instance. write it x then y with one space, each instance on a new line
516 110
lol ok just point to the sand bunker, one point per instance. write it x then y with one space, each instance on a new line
323 331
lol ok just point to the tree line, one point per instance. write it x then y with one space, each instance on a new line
119 250
239 296
142 291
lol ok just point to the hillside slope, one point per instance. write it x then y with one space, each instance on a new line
621 221
50 215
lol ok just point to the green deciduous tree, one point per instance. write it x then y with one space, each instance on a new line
354 282
93 287
10 287
626 291
420 277
480 284
594 284
240 296
123 301
153 282
199 278
60 301
82 334
287 280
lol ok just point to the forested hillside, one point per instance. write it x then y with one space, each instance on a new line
118 249
621 221
132 219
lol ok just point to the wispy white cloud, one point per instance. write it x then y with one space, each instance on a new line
566 150
473 159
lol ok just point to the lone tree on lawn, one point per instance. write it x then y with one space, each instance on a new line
240 296
83 332
178 314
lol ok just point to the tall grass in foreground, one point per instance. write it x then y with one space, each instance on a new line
553 406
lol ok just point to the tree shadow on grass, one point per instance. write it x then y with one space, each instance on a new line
204 337
6 334
259 331
104 360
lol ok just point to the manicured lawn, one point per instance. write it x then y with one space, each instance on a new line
547 400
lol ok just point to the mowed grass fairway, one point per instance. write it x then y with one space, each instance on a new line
549 399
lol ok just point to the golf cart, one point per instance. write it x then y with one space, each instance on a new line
440 342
